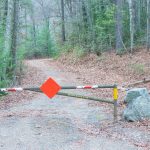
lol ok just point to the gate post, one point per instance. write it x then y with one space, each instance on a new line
115 96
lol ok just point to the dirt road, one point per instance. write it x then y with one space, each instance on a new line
59 124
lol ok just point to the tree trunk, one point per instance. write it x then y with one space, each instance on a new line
8 28
5 13
148 25
69 5
26 24
139 15
119 40
91 25
48 36
132 25
7 35
85 21
63 21
34 38
14 38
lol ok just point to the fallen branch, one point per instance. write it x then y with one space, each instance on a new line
137 83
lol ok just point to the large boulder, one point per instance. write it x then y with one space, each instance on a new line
135 93
138 105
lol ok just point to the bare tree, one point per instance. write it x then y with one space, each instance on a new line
119 40
33 25
132 23
14 37
148 25
63 21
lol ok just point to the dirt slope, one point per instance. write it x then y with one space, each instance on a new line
108 68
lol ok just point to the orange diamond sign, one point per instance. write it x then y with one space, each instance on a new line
50 88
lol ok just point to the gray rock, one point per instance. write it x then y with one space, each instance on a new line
134 93
138 105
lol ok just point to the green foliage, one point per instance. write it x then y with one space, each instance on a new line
30 41
90 28
44 42
94 27
41 45
104 26
3 94
100 35
3 60
4 75
6 66
77 51
63 49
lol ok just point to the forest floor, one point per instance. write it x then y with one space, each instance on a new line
110 69
32 121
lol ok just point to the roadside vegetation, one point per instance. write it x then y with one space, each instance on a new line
44 28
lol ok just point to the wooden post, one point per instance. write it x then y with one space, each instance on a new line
115 111
115 95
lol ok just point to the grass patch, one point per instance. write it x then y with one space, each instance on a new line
138 68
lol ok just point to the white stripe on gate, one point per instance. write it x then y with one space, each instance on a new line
80 87
88 87
11 89
95 86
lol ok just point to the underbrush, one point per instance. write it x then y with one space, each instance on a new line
76 52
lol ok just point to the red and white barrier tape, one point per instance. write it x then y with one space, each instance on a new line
11 89
76 87
21 89
87 87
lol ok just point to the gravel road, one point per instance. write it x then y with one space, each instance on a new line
61 123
